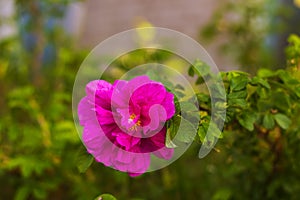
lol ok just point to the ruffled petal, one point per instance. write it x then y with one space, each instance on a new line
139 164
156 120
119 98
85 111
164 153
126 140
158 139
103 95
149 94
136 163
135 83
104 116
169 105
119 84
161 150
96 142
95 85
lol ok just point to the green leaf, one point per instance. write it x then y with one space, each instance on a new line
209 140
238 83
191 71
174 124
286 77
222 194
186 132
237 102
256 80
171 132
215 131
201 68
217 91
169 143
22 193
83 159
263 93
264 73
203 97
247 120
268 121
179 94
200 80
39 193
264 105
190 112
202 131
238 95
297 91
168 84
187 106
106 197
282 120
206 125
179 87
281 100
220 105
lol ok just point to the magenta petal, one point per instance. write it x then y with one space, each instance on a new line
126 140
112 115
139 162
136 82
149 94
157 118
92 86
164 153
97 143
103 98
104 116
154 115
123 158
123 90
119 84
103 154
93 135
85 111
134 174
119 99
169 105
159 139
125 116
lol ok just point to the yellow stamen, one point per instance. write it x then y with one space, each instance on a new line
132 116
131 119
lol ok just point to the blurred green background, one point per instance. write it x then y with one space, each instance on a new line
39 144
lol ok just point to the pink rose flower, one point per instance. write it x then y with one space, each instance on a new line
124 122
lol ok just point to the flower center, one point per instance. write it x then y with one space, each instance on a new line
136 122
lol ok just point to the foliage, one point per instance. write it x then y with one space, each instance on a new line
257 157
261 119
262 129
38 139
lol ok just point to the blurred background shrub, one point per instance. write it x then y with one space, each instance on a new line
254 32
